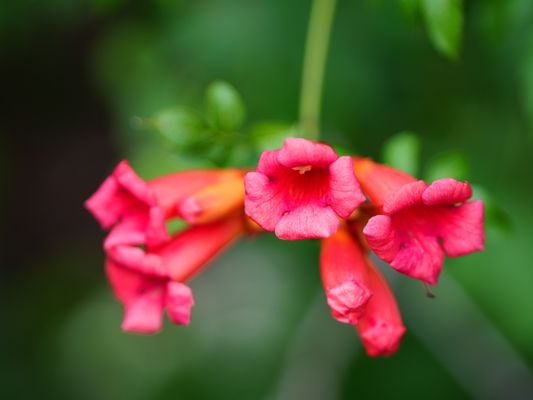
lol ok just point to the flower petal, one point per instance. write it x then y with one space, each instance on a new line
268 163
421 257
307 222
262 204
347 301
382 238
123 193
446 191
462 229
345 193
141 296
121 247
298 152
406 196
179 301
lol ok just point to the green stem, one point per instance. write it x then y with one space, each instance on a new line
316 51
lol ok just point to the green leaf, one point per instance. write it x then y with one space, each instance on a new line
402 151
449 165
179 126
225 108
271 135
444 21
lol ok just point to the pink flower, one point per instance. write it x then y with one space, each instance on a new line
150 281
418 223
380 325
344 276
301 190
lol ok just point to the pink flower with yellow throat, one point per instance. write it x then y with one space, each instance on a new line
301 190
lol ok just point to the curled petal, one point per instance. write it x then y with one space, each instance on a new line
344 276
144 313
128 180
268 163
128 232
155 231
179 301
121 194
345 193
141 296
298 152
446 191
382 238
307 222
138 260
406 196
347 301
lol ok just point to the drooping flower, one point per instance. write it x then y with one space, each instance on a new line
343 272
301 190
149 281
418 223
358 294
380 325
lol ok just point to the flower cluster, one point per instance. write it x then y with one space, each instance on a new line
146 266
301 191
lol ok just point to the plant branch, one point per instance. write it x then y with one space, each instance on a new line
316 51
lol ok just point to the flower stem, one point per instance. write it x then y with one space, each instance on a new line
316 50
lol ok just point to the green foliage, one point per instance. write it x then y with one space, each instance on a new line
211 137
402 151
182 127
444 21
448 165
225 108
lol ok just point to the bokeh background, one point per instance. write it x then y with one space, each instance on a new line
79 80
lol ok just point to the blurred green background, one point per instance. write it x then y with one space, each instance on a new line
83 84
